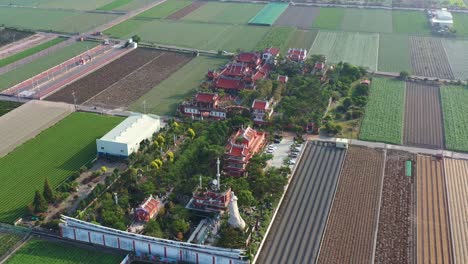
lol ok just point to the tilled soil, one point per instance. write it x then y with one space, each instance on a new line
96 82
428 58
301 17
395 238
185 11
350 232
423 116
133 86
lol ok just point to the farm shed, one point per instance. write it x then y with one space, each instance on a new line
342 143
442 18
125 138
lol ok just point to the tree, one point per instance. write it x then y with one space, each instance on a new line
170 156
39 203
136 38
153 228
160 139
103 169
157 164
191 133
179 225
48 193
404 75
246 198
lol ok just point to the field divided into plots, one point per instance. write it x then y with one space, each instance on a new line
301 17
164 98
394 53
383 120
455 109
42 251
457 54
268 14
423 116
428 58
355 48
219 12
363 171
55 153
309 198
456 175
163 10
179 14
433 230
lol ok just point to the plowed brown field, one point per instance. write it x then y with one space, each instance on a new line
395 243
423 116
350 232
185 11
433 230
457 183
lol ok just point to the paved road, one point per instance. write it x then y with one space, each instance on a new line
298 228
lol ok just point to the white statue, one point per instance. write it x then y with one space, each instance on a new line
235 219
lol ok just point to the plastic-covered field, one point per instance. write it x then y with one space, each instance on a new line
269 14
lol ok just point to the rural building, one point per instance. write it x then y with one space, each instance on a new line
342 143
298 55
261 111
148 209
240 149
204 105
125 138
441 18
210 200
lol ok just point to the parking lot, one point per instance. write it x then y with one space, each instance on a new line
281 152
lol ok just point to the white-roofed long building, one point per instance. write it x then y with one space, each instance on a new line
125 138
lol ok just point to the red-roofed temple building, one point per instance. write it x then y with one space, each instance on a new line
148 209
298 55
204 105
240 149
261 111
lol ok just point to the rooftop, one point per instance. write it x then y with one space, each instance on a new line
130 129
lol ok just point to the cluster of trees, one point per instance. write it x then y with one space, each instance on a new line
42 200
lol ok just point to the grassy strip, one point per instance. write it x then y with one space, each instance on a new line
26 53
165 9
55 153
114 5
7 106
383 120
455 107
278 37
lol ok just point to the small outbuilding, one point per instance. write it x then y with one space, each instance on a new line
442 18
125 138
342 143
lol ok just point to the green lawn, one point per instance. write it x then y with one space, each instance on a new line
302 39
269 14
221 12
191 34
166 96
394 53
383 120
43 63
367 20
410 22
7 241
55 153
277 37
55 20
114 5
460 22
29 52
455 109
329 18
7 106
356 48
47 252
165 9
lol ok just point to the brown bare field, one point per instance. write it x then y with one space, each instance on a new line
433 231
428 58
185 11
350 232
301 17
423 116
96 82
395 243
133 86
457 185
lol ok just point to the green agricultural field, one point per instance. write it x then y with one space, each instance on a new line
410 22
31 51
114 5
55 153
367 20
394 53
220 12
269 14
7 241
133 5
460 22
43 63
302 39
64 4
166 96
47 252
191 34
356 48
57 20
455 107
329 18
277 37
457 54
383 120
7 106
165 9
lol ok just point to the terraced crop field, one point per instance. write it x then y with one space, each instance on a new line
55 153
455 107
356 48
220 12
383 120
367 20
41 251
457 54
350 232
394 53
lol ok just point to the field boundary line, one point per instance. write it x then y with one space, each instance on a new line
380 204
441 112
108 87
378 50
403 113
449 211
